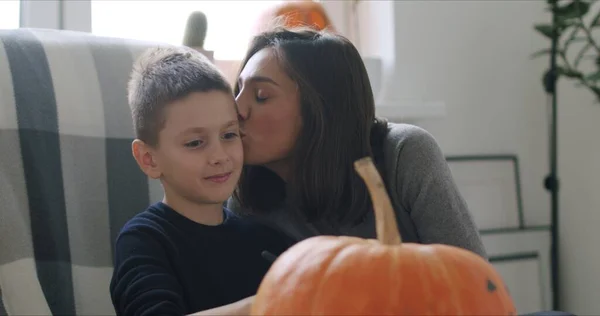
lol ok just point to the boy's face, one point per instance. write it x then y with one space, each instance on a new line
199 155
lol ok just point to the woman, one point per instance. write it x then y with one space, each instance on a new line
308 113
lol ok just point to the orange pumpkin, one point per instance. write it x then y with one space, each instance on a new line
296 13
327 275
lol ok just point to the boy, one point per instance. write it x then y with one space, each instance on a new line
187 253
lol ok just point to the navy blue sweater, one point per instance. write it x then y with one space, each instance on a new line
166 264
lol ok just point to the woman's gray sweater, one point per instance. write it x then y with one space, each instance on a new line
428 205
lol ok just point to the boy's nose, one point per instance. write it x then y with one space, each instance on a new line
218 155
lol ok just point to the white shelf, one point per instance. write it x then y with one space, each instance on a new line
410 110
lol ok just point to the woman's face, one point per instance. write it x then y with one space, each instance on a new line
269 107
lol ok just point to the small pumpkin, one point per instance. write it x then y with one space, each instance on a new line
327 275
295 13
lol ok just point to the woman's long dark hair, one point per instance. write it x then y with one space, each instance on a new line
338 127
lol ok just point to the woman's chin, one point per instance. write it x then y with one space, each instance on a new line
251 159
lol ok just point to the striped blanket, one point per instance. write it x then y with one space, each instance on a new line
67 179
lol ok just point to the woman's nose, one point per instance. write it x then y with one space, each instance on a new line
243 110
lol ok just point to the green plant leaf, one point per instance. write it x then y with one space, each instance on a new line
561 71
579 39
571 38
541 52
595 20
546 30
575 9
573 74
570 73
567 22
596 91
593 76
546 79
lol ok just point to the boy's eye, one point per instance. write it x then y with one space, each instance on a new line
193 144
230 135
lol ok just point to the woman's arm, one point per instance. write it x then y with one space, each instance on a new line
428 191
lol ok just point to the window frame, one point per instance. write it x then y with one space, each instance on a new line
77 16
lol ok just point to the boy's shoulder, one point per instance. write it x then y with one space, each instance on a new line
147 226
150 218
158 218
160 224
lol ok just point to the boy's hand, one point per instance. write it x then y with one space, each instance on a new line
241 307
246 305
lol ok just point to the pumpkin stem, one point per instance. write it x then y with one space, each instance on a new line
385 217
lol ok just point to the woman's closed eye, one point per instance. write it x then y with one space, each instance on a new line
261 96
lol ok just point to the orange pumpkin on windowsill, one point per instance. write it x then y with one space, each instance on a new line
295 13
328 275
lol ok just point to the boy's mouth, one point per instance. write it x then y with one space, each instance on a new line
219 178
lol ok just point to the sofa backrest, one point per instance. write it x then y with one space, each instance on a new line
68 181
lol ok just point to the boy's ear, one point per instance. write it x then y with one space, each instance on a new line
144 156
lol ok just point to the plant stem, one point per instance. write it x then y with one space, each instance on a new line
588 34
571 37
591 40
582 79
580 54
385 217
571 69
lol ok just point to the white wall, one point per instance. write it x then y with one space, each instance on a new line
579 168
56 14
474 56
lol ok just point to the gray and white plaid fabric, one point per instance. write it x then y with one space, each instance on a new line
68 182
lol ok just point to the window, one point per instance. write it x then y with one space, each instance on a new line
229 22
10 11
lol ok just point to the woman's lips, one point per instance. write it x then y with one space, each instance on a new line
219 178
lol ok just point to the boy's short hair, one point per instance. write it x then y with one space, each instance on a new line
163 75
